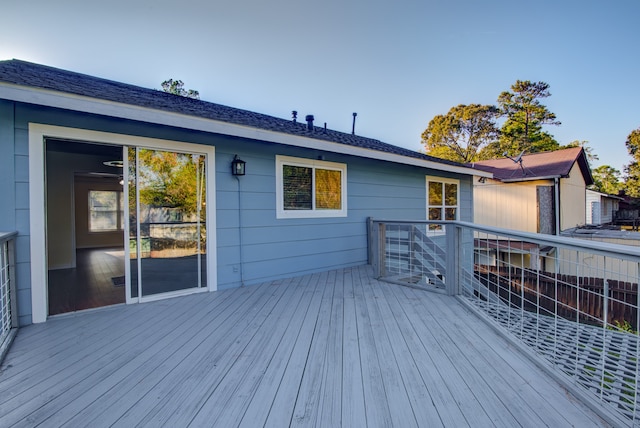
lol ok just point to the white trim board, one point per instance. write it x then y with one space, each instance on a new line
126 111
37 214
281 213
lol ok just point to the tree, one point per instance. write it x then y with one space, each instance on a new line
460 134
606 179
176 87
525 117
169 179
632 171
588 150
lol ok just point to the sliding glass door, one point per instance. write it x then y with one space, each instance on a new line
167 221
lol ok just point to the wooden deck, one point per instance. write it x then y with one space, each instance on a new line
332 349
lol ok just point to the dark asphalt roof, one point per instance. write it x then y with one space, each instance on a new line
44 77
538 165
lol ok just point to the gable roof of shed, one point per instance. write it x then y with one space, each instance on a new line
41 77
538 166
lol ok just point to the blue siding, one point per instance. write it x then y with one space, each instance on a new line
271 248
14 194
7 170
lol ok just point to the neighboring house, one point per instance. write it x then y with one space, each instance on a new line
538 193
130 191
600 207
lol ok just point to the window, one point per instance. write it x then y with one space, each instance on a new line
106 210
310 188
442 198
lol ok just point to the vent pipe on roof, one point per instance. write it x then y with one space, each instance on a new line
309 119
295 116
353 126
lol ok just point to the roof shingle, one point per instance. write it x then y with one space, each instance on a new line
537 165
44 77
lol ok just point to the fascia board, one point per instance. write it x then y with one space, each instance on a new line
86 104
516 180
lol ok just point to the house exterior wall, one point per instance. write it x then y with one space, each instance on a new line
572 199
507 205
14 197
606 205
252 244
609 206
593 207
514 205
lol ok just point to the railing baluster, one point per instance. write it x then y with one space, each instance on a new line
13 292
605 320
637 353
8 294
555 304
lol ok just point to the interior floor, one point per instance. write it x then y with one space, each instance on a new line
97 280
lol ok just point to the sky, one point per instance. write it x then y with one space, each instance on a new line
396 63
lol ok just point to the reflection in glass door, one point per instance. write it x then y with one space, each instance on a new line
167 221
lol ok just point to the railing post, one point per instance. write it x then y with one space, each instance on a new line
454 259
13 292
381 247
370 241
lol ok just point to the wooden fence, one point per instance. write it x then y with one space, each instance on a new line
563 295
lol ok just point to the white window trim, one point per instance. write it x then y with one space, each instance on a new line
281 213
430 178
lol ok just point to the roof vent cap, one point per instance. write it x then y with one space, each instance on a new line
309 118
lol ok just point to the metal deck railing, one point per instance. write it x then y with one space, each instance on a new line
8 308
571 303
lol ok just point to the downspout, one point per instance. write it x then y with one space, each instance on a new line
556 186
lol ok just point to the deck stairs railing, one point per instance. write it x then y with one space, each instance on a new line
570 304
8 307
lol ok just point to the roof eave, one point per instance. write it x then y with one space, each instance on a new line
546 177
50 98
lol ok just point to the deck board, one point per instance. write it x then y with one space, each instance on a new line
480 374
114 374
58 377
431 368
395 384
336 348
306 410
516 371
330 406
197 383
353 404
179 354
436 362
377 411
284 401
258 408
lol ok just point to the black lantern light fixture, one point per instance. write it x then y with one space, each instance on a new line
237 166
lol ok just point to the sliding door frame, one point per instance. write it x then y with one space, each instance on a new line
37 202
182 148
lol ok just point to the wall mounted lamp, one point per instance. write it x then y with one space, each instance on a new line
482 180
238 166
